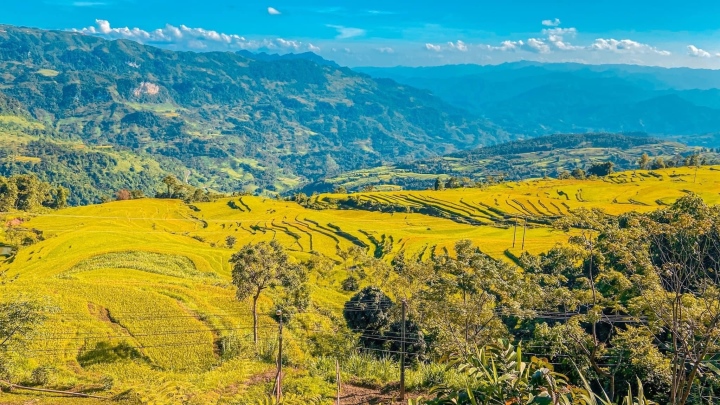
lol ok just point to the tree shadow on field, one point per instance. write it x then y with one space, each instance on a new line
104 352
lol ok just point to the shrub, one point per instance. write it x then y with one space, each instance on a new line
350 284
41 375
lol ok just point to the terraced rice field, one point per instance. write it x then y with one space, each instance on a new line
141 289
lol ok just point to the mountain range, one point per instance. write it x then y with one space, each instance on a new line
97 116
540 99
221 120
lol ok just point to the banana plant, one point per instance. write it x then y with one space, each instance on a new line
497 375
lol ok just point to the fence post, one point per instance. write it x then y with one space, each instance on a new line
278 378
402 352
337 378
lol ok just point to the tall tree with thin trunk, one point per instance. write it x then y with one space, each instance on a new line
258 267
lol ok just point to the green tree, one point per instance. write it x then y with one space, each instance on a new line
369 313
644 161
457 295
60 198
258 267
578 173
8 194
601 169
170 182
658 163
439 184
32 193
453 182
230 241
19 317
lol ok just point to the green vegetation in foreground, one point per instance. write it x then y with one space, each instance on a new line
145 314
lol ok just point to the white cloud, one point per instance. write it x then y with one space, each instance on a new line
625 46
313 48
273 11
347 32
551 23
697 52
434 48
556 36
537 45
534 45
508 46
459 45
386 49
193 38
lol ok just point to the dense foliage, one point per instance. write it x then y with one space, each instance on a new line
27 193
634 296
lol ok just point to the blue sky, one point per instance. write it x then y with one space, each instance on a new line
421 32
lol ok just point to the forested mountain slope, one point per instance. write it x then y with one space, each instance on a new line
232 122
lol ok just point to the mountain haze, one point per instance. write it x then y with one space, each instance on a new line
539 99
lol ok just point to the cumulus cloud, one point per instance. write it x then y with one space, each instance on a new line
386 49
458 45
347 32
434 48
533 45
551 23
556 37
193 38
537 45
625 46
273 11
697 52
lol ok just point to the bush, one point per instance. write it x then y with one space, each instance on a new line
41 375
234 345
369 311
350 284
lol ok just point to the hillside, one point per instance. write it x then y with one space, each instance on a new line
141 291
540 99
532 158
232 122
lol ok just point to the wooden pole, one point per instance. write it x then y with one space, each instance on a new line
75 394
278 378
524 230
402 353
339 383
514 231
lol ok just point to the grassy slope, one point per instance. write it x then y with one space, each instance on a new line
100 267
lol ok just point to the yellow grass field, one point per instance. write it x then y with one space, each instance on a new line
141 291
